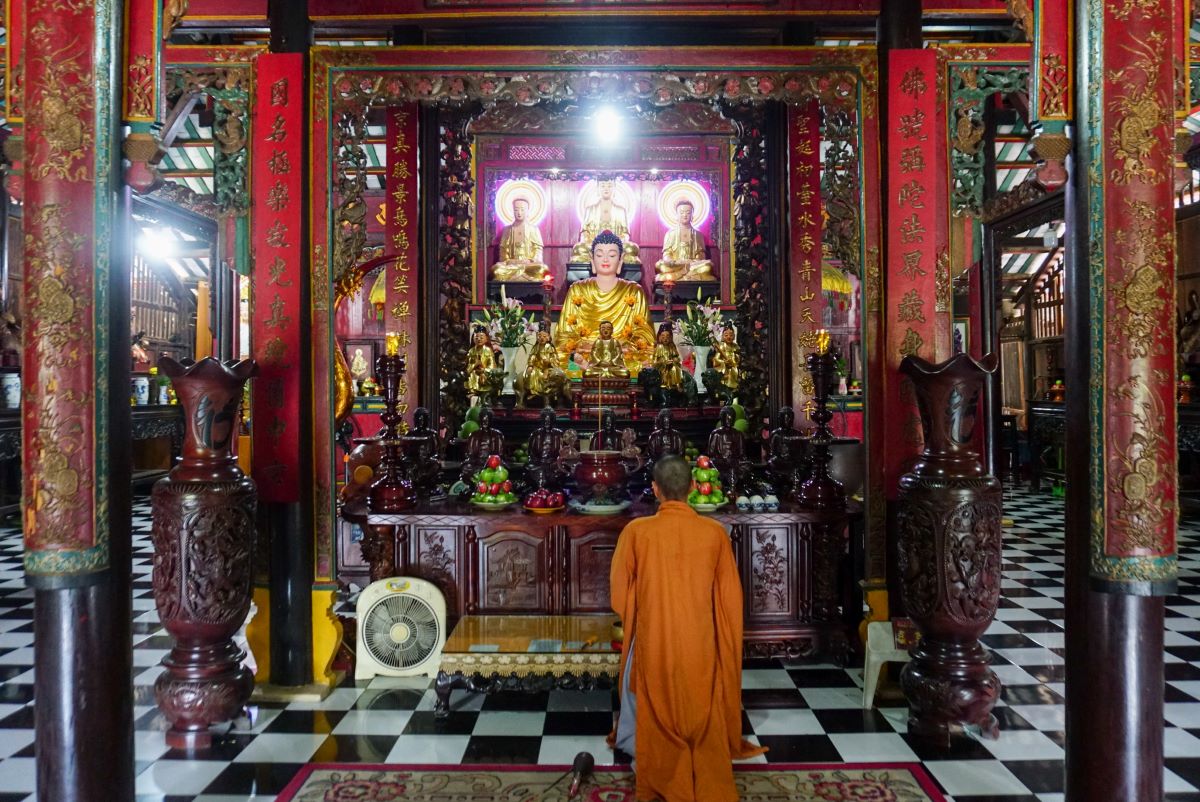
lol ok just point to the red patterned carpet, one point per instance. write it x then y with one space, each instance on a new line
798 782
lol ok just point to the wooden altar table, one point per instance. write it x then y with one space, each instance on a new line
799 591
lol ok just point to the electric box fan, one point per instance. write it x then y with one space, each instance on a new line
401 629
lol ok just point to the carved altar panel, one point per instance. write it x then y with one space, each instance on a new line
512 573
436 557
589 560
774 572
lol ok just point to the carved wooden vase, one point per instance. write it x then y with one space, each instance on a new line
203 537
949 555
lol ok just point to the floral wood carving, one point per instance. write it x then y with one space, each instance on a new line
456 187
770 574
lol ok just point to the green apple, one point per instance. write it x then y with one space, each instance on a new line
473 414
468 427
739 412
693 497
742 425
717 497
500 474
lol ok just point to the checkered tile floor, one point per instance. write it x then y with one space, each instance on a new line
803 712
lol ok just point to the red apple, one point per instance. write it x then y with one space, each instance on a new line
702 462
555 500
705 488
494 490
494 461
535 502
482 487
507 486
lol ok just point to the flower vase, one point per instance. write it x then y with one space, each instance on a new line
701 352
510 368
203 536
949 553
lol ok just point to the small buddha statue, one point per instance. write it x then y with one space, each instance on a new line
667 360
359 369
665 439
421 446
543 375
605 214
605 296
727 359
787 450
481 358
481 444
606 360
545 445
727 449
683 253
608 438
520 248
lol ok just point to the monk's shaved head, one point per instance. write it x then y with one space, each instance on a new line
673 476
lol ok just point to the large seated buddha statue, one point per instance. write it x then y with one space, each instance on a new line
684 257
520 248
605 214
605 298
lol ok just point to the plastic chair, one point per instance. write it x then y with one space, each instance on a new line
881 648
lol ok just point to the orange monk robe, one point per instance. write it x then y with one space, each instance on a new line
676 588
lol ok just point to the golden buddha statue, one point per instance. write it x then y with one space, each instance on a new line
358 365
520 249
667 360
727 359
606 360
605 297
481 358
543 375
605 214
683 255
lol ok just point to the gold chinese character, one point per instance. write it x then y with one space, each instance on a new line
277 235
912 265
400 284
806 218
910 194
400 170
400 242
911 125
276 429
278 163
912 160
805 195
807 339
278 319
911 230
274 353
404 339
277 197
401 309
278 132
807 296
276 270
275 392
913 83
807 243
806 315
279 92
805 148
806 270
911 343
912 307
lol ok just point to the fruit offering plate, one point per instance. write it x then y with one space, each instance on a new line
709 507
545 510
490 505
600 509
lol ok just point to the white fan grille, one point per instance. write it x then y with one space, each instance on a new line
401 631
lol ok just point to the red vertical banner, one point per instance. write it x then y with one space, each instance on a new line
275 232
804 257
917 178
402 237
1131 259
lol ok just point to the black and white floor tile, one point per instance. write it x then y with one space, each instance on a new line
804 712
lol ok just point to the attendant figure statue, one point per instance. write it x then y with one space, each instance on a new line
608 438
607 361
787 451
520 249
420 446
482 358
545 445
683 254
605 214
727 360
665 439
543 375
605 296
481 444
359 368
667 359
727 448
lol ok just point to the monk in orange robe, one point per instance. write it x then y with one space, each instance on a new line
676 588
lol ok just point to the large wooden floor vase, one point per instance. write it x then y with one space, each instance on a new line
203 540
949 556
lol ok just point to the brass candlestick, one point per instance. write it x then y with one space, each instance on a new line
821 491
